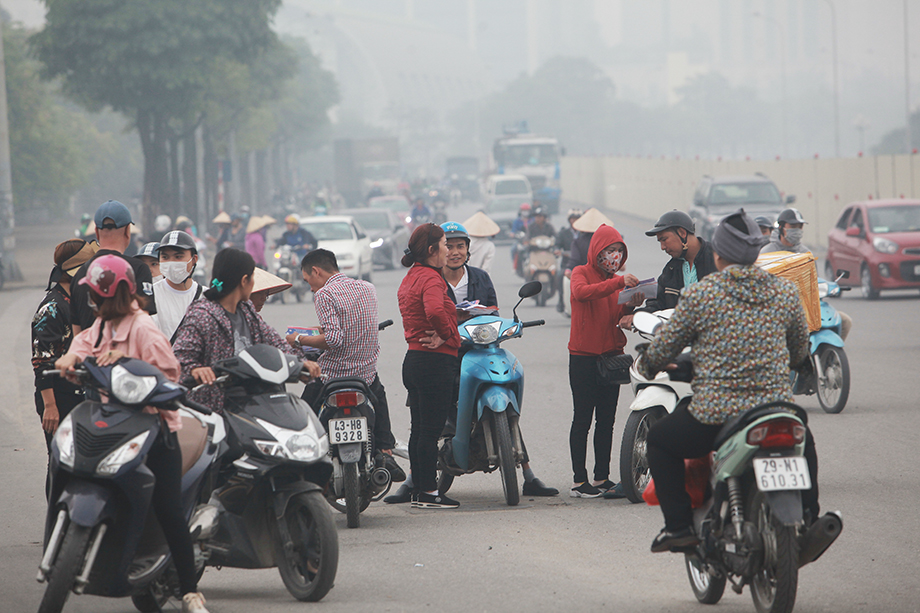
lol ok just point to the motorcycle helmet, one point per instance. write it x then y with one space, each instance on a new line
178 240
106 272
573 214
292 219
162 223
539 211
789 216
763 222
452 229
670 220
149 250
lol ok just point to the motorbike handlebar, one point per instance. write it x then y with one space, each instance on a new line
383 325
217 381
530 324
195 406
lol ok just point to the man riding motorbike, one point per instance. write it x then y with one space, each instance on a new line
300 239
564 239
465 282
788 237
718 317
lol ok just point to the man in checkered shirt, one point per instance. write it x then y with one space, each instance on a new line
347 312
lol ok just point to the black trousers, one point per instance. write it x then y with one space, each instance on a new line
681 436
590 400
383 432
165 462
429 380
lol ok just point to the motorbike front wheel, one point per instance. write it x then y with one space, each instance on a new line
707 588
506 463
774 586
308 565
353 505
832 373
634 470
65 569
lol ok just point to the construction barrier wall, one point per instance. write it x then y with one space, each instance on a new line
647 187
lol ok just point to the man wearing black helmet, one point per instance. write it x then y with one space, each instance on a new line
177 290
691 260
765 225
788 236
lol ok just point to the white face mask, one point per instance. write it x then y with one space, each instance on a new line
176 272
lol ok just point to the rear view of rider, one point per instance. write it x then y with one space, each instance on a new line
123 329
747 328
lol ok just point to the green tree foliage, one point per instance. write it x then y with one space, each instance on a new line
53 149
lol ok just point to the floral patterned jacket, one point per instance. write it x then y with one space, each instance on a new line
51 335
206 336
746 328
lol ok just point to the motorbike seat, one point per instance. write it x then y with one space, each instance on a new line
192 440
743 419
344 383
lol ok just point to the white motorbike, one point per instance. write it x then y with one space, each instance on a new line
655 398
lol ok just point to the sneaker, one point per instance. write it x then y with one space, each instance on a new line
193 602
606 485
535 487
585 490
675 541
615 492
424 500
403 494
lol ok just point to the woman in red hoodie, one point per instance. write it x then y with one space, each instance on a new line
430 326
595 313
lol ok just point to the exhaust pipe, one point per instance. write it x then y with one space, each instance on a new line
380 478
819 537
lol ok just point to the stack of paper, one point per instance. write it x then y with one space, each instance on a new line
474 307
648 288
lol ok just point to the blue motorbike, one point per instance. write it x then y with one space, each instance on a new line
489 402
831 377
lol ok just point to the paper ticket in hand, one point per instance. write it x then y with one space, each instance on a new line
648 288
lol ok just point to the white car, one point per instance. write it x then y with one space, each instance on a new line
343 236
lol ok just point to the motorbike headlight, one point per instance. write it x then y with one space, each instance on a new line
377 243
822 290
64 440
111 463
306 445
484 334
277 255
129 388
883 245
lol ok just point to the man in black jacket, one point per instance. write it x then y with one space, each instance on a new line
691 260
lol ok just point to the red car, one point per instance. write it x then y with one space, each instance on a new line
878 243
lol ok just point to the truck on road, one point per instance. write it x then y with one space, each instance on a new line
520 152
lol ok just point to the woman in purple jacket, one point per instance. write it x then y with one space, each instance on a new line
223 325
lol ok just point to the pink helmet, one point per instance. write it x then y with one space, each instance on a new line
106 272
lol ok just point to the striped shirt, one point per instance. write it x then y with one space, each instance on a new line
347 311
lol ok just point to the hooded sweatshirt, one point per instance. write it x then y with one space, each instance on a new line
595 312
746 327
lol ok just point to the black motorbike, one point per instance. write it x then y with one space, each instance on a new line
101 536
346 410
267 508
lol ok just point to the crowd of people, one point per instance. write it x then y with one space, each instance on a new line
105 303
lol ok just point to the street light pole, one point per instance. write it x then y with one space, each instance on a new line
836 81
782 33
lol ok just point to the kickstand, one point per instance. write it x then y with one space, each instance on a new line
737 586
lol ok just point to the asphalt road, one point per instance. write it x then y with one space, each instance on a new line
546 554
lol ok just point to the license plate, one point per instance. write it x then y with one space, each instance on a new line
351 430
782 474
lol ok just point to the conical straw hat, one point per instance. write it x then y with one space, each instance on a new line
258 222
222 217
265 280
481 225
591 221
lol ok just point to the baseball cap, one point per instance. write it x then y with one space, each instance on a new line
115 211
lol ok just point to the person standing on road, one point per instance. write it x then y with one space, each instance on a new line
51 338
255 239
177 290
222 325
747 328
482 249
130 332
347 312
113 234
596 289
430 366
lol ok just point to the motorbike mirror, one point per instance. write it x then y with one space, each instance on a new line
646 322
530 289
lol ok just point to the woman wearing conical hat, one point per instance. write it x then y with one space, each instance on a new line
481 229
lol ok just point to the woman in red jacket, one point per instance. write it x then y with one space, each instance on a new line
594 332
430 326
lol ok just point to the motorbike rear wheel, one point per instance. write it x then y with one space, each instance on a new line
634 470
352 495
308 568
773 588
707 588
65 569
506 463
832 374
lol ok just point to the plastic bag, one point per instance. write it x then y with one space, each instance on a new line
696 477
